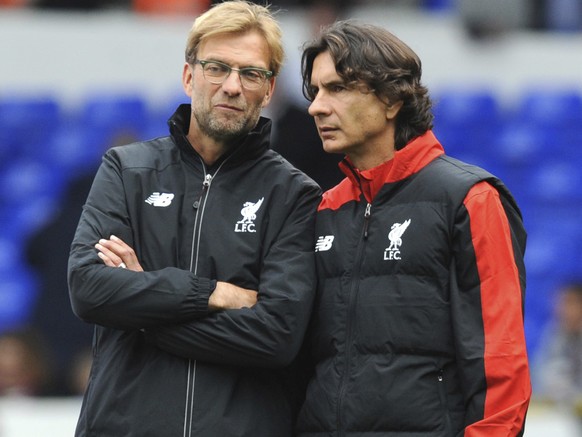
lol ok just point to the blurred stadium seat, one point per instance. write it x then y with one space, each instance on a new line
17 284
77 148
555 181
460 107
519 149
554 241
519 144
115 115
466 120
163 110
550 108
438 5
17 297
25 123
27 179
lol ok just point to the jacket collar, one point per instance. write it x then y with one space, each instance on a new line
250 147
407 161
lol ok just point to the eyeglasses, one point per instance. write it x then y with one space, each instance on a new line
251 78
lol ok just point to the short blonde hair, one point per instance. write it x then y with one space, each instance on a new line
233 17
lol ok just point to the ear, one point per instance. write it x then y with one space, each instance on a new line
269 93
187 78
393 109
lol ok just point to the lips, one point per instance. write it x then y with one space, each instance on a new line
229 107
327 131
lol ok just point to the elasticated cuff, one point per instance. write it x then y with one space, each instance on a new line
202 289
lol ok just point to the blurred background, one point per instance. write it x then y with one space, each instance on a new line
77 77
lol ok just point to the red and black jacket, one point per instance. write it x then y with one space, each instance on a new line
418 323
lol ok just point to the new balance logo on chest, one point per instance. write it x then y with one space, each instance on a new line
323 243
160 199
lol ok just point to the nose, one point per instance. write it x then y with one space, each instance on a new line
318 106
232 84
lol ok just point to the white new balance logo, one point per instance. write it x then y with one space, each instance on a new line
324 243
160 199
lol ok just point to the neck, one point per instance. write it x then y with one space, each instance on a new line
367 161
375 151
209 150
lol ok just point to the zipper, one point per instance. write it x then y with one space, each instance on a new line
367 220
442 389
351 316
189 408
199 206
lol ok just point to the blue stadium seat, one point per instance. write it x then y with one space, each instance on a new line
555 181
22 220
158 125
466 121
554 248
18 290
520 144
550 108
27 180
438 5
466 107
26 122
18 286
540 296
520 148
118 116
76 149
460 143
568 144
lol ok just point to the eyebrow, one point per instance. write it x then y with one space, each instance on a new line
334 83
240 67
330 83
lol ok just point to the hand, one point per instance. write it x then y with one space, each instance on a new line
227 296
115 253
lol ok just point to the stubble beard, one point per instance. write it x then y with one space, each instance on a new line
226 129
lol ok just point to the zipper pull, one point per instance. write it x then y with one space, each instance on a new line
205 186
207 181
367 219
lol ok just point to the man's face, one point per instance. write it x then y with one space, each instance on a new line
350 119
226 111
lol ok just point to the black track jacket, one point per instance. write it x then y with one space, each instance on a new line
164 366
418 320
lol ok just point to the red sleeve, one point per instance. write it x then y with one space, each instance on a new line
504 365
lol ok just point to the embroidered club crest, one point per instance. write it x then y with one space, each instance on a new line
249 214
395 237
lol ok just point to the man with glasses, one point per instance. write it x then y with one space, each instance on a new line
194 255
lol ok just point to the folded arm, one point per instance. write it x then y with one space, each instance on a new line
270 333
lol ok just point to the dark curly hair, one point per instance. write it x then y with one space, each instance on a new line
364 53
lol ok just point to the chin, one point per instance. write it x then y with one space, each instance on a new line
332 148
